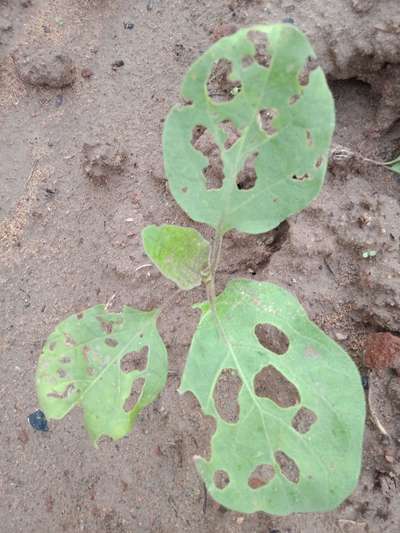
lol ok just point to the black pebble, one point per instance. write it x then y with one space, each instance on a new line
129 25
38 421
117 64
288 20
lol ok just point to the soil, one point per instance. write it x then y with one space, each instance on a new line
81 174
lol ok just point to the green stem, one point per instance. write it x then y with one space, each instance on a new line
213 261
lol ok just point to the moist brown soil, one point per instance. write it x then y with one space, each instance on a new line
81 174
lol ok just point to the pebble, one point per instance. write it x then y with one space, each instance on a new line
59 100
341 336
129 25
288 20
44 67
117 64
38 421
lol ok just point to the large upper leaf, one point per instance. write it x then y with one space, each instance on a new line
181 254
291 149
81 365
327 455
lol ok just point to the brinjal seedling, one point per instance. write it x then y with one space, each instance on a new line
263 102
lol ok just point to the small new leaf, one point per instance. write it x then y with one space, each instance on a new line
96 360
181 254
295 442
268 122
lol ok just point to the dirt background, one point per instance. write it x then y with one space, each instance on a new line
68 242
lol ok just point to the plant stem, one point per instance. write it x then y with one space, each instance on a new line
213 261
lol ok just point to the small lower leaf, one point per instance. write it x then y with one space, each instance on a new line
181 254
296 444
81 366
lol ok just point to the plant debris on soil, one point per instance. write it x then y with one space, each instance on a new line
85 87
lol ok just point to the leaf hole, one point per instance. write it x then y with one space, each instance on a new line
225 395
220 86
68 340
62 373
85 352
221 479
68 392
247 177
318 162
133 398
184 189
261 476
247 61
288 466
266 118
294 98
204 426
302 177
232 133
65 360
104 441
134 360
272 338
52 345
90 371
106 326
303 420
111 342
270 383
309 137
260 41
203 141
304 75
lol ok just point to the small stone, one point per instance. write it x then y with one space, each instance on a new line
288 20
341 336
382 350
38 421
389 458
129 25
59 100
240 520
44 68
117 64
86 73
101 161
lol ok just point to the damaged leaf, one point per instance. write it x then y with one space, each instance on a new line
295 423
81 365
181 254
260 97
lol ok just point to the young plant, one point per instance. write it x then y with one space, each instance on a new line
279 455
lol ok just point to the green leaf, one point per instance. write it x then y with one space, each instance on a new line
94 360
328 385
395 167
284 127
181 254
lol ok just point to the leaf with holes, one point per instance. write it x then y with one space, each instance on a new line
181 254
96 360
293 441
250 146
